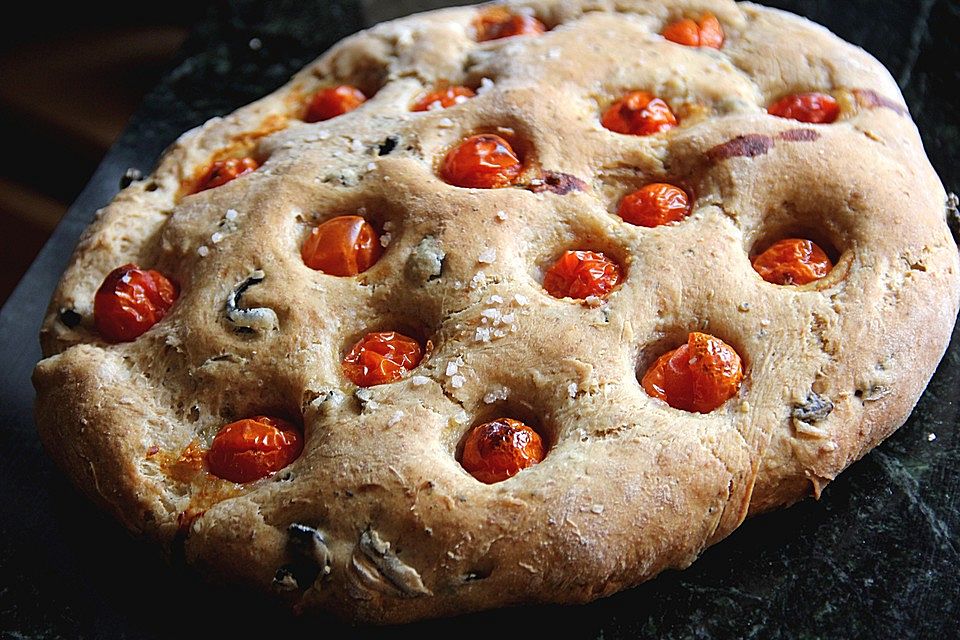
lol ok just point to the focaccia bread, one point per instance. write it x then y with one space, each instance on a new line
370 499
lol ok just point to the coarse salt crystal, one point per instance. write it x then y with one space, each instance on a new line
572 389
482 334
489 256
931 437
501 215
395 418
452 368
491 313
356 145
497 394
419 381
216 237
231 215
457 381
593 301
486 84
445 122
494 299
478 279
323 135
203 251
371 166
508 318
520 299
597 508
385 240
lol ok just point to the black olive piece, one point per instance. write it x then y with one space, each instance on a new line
816 408
285 579
70 318
130 176
388 145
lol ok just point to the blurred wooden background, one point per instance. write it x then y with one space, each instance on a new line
70 77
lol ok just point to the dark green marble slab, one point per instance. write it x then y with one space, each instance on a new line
877 557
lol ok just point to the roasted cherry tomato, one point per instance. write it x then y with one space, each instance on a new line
813 108
580 274
497 22
253 448
130 301
639 113
331 102
381 357
698 376
483 161
221 172
342 246
655 204
443 98
497 450
705 33
792 261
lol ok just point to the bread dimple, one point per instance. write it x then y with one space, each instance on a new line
629 486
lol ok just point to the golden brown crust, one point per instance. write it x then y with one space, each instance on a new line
387 526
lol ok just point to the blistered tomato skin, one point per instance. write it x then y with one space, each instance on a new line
342 246
221 172
811 108
497 22
497 450
655 204
581 274
253 448
443 98
792 261
381 357
639 113
699 376
130 301
331 102
483 161
706 33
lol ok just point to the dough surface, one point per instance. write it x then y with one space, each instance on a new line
377 521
